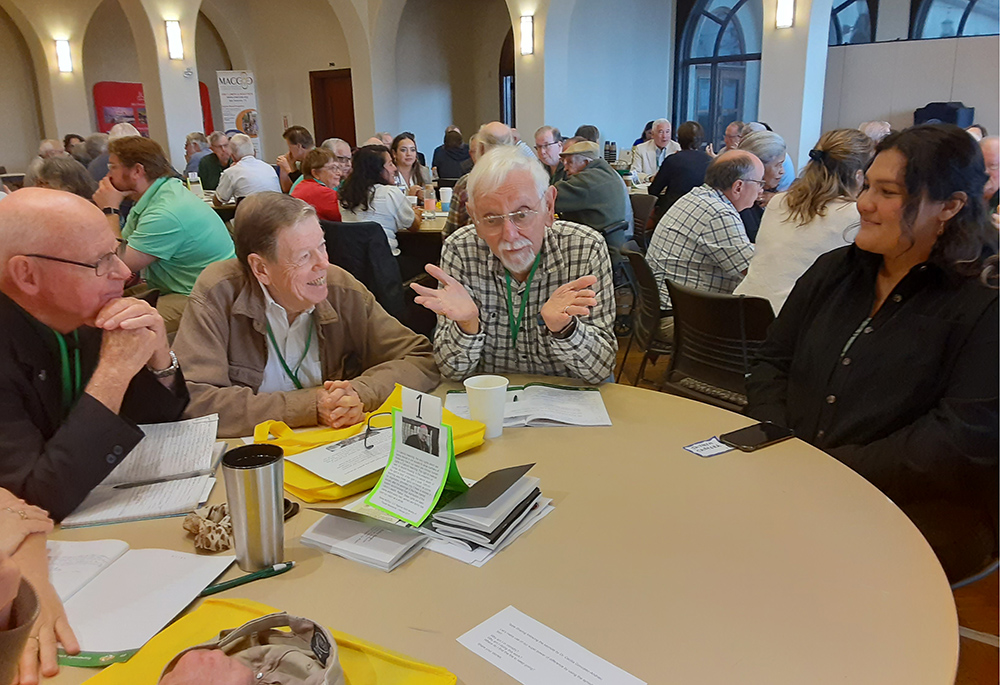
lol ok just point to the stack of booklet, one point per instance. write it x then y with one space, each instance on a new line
363 539
491 511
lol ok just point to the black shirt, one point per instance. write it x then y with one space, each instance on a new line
911 403
679 174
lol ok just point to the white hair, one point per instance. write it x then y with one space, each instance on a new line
660 122
50 147
752 127
876 130
492 169
767 146
122 130
332 143
241 146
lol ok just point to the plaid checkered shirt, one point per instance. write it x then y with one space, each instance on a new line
569 251
700 243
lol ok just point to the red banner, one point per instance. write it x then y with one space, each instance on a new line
116 102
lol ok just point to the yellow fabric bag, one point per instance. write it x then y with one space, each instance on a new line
364 663
309 487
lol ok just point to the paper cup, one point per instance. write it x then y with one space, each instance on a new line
412 199
445 194
487 395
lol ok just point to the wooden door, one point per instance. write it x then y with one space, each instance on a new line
333 105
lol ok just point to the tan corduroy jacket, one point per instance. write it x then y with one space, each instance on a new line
222 346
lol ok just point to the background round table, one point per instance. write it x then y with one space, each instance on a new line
780 566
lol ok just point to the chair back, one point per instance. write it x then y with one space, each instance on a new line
715 337
642 207
362 250
646 308
615 227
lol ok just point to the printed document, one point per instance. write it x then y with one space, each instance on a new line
534 654
541 404
346 461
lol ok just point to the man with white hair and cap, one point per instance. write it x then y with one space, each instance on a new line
647 157
81 365
520 292
246 175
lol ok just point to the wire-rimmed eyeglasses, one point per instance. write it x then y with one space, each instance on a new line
370 429
102 267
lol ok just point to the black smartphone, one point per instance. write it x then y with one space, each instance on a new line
754 437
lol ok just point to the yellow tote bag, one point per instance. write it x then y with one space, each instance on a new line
364 663
309 487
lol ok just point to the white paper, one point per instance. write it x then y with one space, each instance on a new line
534 654
708 448
112 505
541 405
411 482
169 449
345 461
137 596
74 564
382 545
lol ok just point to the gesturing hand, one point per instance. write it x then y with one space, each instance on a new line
451 300
338 405
573 299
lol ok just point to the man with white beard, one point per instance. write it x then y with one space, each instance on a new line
518 291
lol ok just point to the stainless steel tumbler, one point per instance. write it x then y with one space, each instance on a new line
254 476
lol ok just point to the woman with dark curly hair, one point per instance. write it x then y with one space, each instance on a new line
885 354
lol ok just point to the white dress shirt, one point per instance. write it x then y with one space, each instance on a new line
249 175
389 208
291 339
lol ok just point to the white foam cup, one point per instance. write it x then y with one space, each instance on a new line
445 195
487 395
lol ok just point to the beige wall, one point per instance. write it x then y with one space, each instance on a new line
212 56
447 65
887 81
108 52
19 104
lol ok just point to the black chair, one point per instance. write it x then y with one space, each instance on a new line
362 250
642 207
715 337
648 324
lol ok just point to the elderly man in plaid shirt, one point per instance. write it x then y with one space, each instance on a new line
700 242
518 291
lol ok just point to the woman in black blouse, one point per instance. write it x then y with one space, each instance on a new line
885 354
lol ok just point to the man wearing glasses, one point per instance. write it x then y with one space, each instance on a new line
81 365
700 241
548 146
519 292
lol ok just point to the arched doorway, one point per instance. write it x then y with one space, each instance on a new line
508 108
19 107
720 64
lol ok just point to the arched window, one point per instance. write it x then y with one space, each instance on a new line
947 18
720 64
851 23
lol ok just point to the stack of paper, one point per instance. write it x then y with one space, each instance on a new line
541 404
116 599
168 473
364 539
490 511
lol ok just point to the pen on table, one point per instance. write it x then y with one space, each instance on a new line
275 570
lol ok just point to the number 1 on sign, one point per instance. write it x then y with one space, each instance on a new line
414 407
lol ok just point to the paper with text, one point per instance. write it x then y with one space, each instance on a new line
543 405
345 461
534 654
708 448
74 564
169 449
106 504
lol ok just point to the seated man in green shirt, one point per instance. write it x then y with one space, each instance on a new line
211 166
172 234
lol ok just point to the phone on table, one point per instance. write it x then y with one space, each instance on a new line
755 437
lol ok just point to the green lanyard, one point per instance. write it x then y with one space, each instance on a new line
293 374
515 323
70 383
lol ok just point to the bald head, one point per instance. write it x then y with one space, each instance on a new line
496 133
53 222
738 175
372 141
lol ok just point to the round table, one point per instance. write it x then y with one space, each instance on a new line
780 566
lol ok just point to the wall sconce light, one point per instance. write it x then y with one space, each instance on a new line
63 56
785 15
527 35
174 45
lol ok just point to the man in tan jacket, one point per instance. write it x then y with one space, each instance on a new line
279 333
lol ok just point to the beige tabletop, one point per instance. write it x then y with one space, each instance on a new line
435 224
781 566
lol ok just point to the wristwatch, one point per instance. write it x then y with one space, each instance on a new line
111 210
169 371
